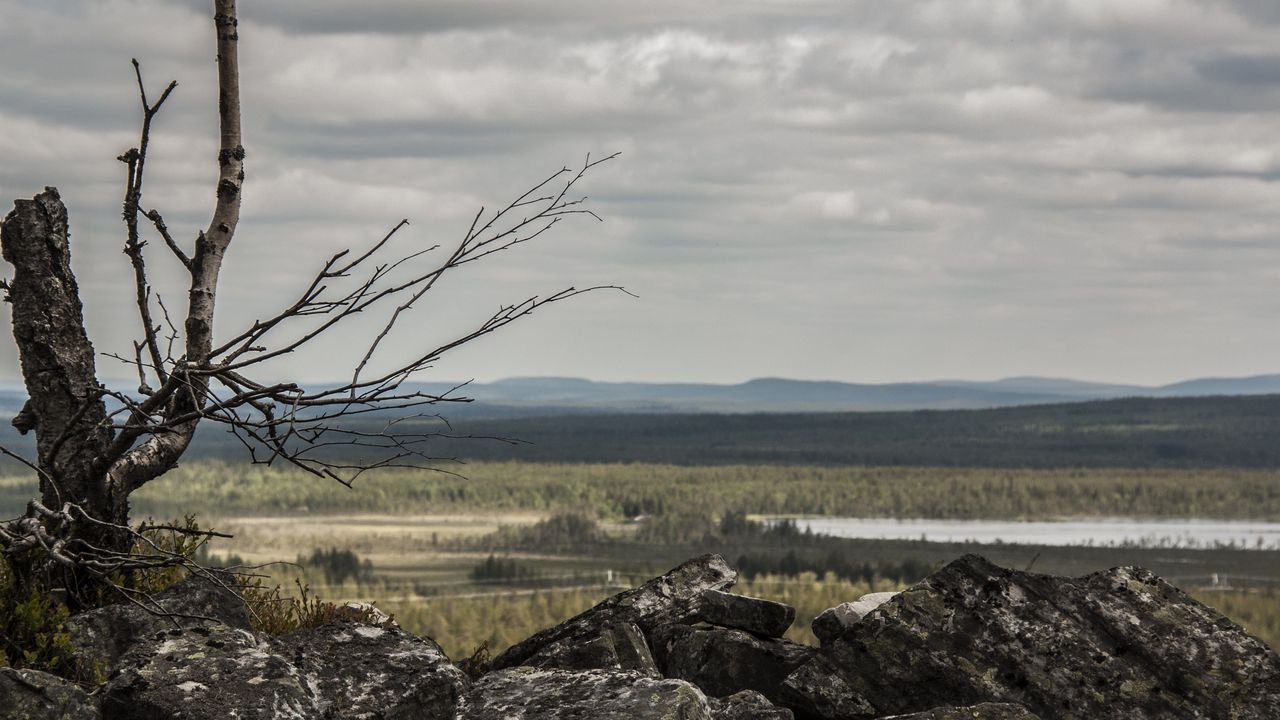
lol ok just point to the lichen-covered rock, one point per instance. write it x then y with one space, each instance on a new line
747 705
755 615
723 661
1121 643
985 711
101 636
816 689
204 673
374 672
620 646
671 598
34 695
833 621
527 693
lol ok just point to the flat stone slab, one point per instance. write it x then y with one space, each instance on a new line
754 615
34 695
747 705
985 711
526 693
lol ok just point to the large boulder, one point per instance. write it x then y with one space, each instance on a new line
34 695
526 693
674 597
1121 643
359 670
207 673
101 636
723 661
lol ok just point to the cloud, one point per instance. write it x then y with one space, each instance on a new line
818 189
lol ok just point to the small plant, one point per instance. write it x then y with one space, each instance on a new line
474 664
273 613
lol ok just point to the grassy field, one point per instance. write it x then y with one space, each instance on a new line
217 489
425 532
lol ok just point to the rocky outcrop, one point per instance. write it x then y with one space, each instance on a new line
1121 643
667 599
724 661
101 636
972 641
34 695
526 693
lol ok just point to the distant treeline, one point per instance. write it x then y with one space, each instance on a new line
1206 432
1214 432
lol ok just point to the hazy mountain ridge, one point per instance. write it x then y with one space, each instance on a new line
520 396
784 395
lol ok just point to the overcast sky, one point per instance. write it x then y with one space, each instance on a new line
863 191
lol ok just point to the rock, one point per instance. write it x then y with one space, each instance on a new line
816 689
620 646
985 711
723 661
755 615
34 695
526 693
358 670
101 636
832 621
364 613
747 705
671 598
203 673
1121 643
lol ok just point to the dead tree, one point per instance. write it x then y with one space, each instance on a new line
95 445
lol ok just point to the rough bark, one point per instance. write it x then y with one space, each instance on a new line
65 408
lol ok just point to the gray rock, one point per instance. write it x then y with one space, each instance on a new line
755 615
620 646
34 695
817 690
747 705
1121 643
526 693
380 672
671 598
985 711
833 621
723 661
204 673
101 636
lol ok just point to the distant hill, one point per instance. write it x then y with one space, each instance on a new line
532 396
525 396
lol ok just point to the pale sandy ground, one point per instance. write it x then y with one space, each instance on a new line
386 540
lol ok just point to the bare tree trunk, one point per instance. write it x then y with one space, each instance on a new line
66 407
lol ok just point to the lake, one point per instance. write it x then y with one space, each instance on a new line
1095 532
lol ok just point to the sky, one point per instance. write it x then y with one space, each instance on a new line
850 190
